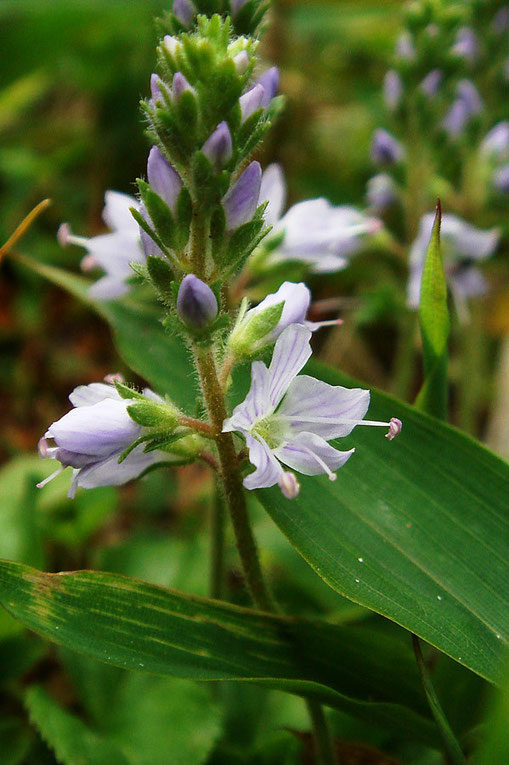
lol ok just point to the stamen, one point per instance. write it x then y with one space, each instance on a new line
114 377
41 484
88 263
392 425
65 237
395 426
326 469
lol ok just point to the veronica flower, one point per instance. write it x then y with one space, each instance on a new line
393 89
314 231
296 299
495 143
112 252
466 105
92 436
385 149
381 192
466 45
463 245
287 420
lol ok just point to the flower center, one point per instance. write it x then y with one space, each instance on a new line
272 430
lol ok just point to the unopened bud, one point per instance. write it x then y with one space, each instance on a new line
241 61
218 147
241 201
251 101
179 85
269 81
196 303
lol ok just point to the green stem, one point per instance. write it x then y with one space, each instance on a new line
324 747
217 544
450 741
246 545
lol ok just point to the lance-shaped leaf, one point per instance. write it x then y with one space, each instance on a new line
140 626
434 323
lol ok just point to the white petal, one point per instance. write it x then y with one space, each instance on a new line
116 213
110 473
311 455
329 411
108 288
87 395
273 191
99 430
291 352
268 470
296 298
256 405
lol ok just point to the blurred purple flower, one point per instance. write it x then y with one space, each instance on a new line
314 231
393 89
385 149
381 192
113 252
431 83
466 45
501 179
463 245
184 11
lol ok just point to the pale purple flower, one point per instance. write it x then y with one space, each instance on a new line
501 179
466 105
196 303
405 48
381 192
495 144
296 299
431 83
463 245
92 436
385 149
180 85
466 45
393 89
113 252
155 88
184 11
218 147
314 231
241 200
287 419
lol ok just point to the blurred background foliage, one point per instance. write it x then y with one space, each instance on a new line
71 79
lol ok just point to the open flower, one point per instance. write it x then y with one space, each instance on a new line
287 420
113 252
92 436
463 245
250 336
315 232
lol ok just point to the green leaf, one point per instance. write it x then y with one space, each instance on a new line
494 747
415 529
136 625
72 741
434 323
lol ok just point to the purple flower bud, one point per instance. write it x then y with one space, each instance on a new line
456 118
289 485
381 192
241 61
469 94
385 149
405 46
155 88
149 247
163 179
241 201
218 147
501 20
501 179
393 89
269 81
251 101
431 83
179 85
196 303
466 45
171 44
496 141
184 11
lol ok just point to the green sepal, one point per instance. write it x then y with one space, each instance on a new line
132 447
126 392
160 214
140 270
152 414
184 217
140 220
246 237
204 178
251 332
161 276
186 115
200 56
217 230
